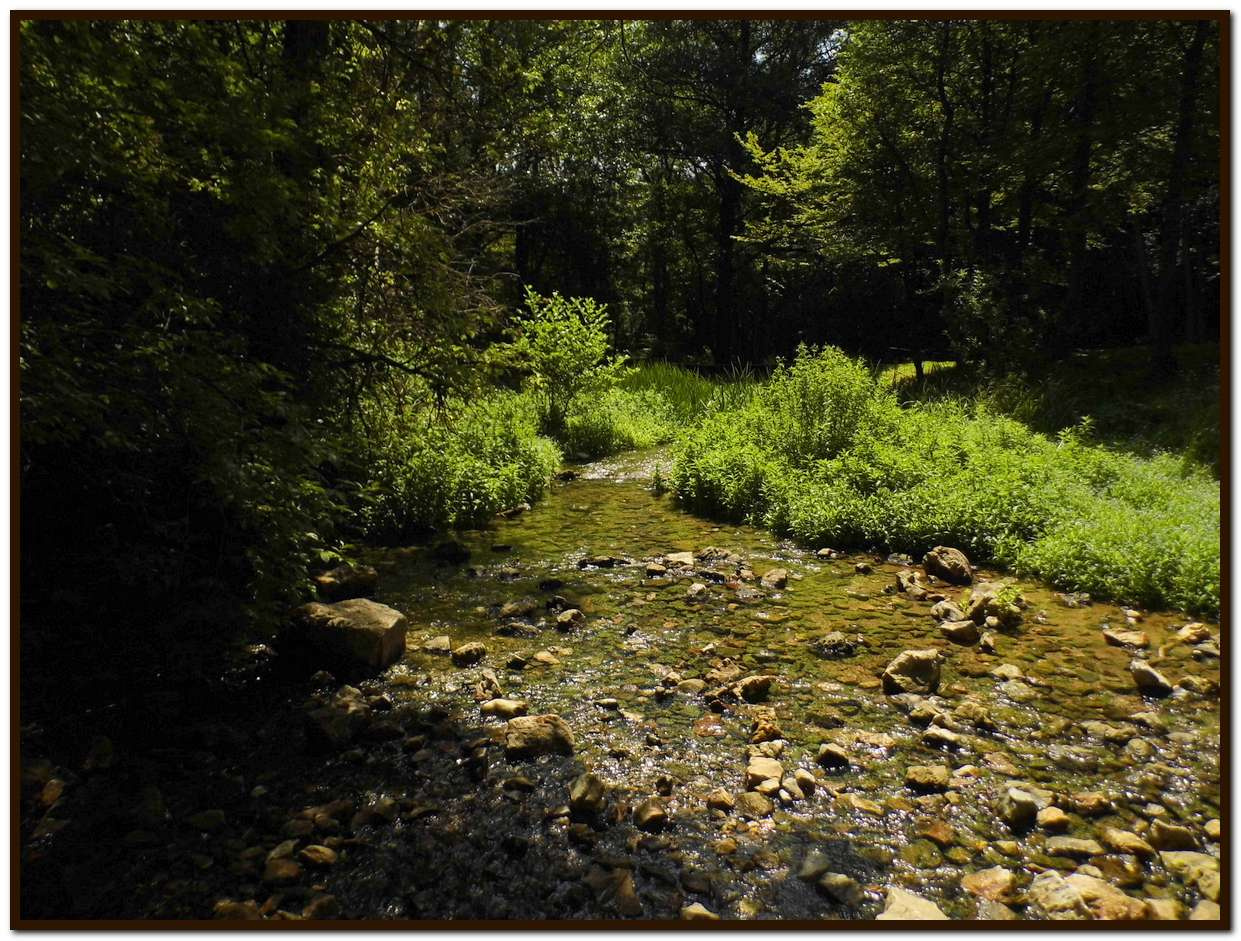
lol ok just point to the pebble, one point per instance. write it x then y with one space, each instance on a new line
469 653
902 905
753 805
650 815
762 769
1149 681
1053 818
806 781
1072 847
1205 910
841 888
568 620
1119 638
438 645
832 756
281 871
928 777
505 708
1170 836
996 884
317 855
698 912
1125 841
1017 808
864 804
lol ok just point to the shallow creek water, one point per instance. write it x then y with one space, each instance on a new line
1065 727
432 820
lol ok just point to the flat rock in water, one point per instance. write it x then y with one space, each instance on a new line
960 632
901 905
913 671
441 645
1124 841
928 777
1150 682
997 884
358 631
1104 901
531 736
1056 898
1072 847
775 578
1121 638
753 805
505 708
469 653
347 581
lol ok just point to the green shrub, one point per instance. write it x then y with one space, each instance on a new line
824 454
428 471
565 342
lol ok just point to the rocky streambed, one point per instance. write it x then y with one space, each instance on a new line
606 708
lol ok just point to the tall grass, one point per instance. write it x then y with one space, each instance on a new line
825 453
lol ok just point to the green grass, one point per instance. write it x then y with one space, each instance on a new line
825 453
1113 391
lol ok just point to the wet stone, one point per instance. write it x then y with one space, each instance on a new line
960 632
531 736
928 778
753 805
841 888
1121 638
914 671
1170 836
1017 808
469 653
650 815
997 884
902 905
1149 681
1072 847
949 565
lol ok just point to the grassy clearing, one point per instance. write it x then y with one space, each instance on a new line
1111 390
824 452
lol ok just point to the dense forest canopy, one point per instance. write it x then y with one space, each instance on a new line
247 244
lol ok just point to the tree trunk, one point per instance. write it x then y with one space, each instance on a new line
1076 224
1163 360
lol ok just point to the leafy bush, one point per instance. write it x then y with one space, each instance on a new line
565 341
427 472
824 454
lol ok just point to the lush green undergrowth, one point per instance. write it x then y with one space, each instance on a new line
428 469
825 453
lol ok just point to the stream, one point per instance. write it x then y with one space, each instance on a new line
424 816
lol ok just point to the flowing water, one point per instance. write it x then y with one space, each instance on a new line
476 835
